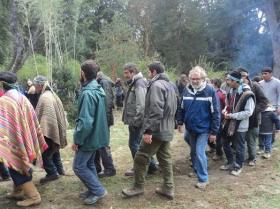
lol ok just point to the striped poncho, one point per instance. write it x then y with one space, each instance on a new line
21 138
52 118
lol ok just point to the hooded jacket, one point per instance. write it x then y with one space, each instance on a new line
133 113
91 131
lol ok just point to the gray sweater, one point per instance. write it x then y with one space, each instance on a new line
271 90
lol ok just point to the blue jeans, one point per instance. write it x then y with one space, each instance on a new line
266 142
134 139
238 141
51 159
198 143
18 178
84 168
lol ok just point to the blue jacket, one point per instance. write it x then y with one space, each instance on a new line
200 111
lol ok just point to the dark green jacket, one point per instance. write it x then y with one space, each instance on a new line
91 131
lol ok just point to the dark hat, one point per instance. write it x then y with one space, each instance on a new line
235 75
8 77
267 69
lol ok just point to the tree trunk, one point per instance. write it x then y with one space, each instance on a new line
18 42
270 11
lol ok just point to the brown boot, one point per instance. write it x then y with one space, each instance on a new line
16 194
168 193
33 196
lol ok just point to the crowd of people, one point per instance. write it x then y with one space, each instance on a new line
222 115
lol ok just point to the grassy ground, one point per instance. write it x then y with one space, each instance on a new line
256 188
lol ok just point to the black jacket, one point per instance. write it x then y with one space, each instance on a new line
261 103
268 119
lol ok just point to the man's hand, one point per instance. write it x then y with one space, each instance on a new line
278 111
181 128
226 116
147 138
75 147
212 138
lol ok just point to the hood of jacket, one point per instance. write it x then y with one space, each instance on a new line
94 86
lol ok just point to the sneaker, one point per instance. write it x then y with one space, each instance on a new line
168 193
252 163
260 152
236 172
130 172
217 157
226 167
92 199
152 169
104 174
202 185
49 178
84 195
266 155
134 191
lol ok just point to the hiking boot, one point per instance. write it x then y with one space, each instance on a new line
168 193
49 178
217 157
104 174
202 185
32 194
236 172
266 155
133 191
252 163
226 167
84 195
16 194
92 199
130 172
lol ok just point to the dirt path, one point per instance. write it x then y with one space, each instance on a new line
257 187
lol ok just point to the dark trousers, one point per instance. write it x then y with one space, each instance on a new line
219 144
134 143
18 178
4 172
104 154
238 141
51 159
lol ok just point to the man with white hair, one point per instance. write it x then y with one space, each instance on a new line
52 119
200 112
